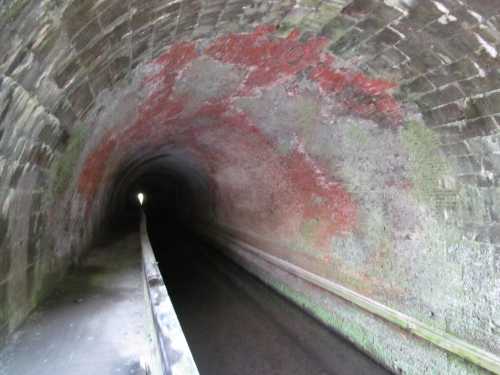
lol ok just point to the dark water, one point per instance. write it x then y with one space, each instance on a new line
235 324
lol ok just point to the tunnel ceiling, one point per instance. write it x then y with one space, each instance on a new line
357 139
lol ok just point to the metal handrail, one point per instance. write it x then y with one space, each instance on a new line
433 335
170 353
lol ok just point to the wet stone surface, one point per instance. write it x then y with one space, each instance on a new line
92 324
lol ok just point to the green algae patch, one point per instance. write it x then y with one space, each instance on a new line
425 161
315 21
311 15
308 228
63 169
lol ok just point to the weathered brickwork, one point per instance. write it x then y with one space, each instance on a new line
395 103
28 146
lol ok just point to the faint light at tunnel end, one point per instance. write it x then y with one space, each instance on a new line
140 198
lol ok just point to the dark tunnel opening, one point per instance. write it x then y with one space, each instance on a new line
232 321
178 199
178 194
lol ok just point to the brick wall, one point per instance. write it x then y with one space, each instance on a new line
426 237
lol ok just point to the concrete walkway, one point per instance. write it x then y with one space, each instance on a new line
92 324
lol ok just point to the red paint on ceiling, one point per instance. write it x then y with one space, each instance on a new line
169 64
284 188
271 59
360 94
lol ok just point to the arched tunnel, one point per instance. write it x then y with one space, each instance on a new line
336 160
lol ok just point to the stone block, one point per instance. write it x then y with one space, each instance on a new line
479 85
96 53
422 58
86 35
418 85
99 80
39 155
163 36
462 69
449 134
16 175
489 64
336 28
423 14
378 64
483 106
347 42
77 15
174 8
141 18
359 8
116 10
191 8
386 37
370 26
456 149
439 97
479 127
484 7
67 73
440 77
385 13
442 30
117 34
65 114
443 115
463 44
232 10
140 47
81 98
119 68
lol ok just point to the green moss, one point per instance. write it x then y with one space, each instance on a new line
63 169
459 366
308 228
315 21
44 280
427 166
309 3
367 337
12 11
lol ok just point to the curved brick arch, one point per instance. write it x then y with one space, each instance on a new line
356 139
